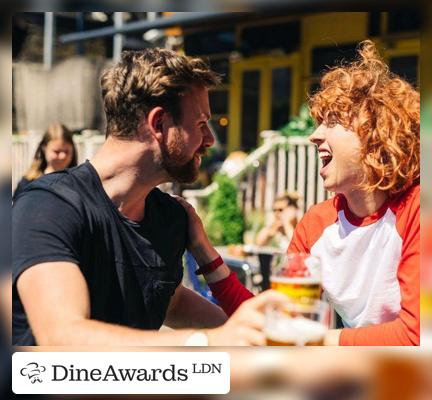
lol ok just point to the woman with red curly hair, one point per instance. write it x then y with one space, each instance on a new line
367 235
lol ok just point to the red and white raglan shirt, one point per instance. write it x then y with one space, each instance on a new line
370 267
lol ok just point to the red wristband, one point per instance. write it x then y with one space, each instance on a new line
210 267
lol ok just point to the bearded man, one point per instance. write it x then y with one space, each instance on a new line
97 249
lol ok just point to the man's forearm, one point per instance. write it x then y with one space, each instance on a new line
95 333
191 310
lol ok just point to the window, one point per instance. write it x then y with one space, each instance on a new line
406 67
221 66
323 57
219 101
210 42
258 39
404 21
250 101
281 94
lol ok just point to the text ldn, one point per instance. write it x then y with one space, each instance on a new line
62 373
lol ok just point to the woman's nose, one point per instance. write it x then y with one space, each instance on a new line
317 136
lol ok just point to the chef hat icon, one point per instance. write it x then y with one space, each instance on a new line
32 371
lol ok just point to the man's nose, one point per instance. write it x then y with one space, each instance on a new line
209 139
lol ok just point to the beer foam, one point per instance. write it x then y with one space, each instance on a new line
295 330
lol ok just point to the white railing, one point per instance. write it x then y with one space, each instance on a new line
24 147
281 164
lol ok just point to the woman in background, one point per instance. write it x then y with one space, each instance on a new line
55 152
285 217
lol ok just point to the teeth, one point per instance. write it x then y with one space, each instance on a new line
325 154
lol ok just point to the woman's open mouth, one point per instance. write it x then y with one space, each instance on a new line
326 157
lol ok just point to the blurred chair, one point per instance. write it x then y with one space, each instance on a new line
242 269
197 285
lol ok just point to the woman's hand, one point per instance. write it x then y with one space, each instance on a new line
198 243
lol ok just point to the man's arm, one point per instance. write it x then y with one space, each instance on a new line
56 301
189 309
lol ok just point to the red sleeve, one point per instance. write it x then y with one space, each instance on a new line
404 330
298 242
230 293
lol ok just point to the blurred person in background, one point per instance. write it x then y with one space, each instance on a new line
97 249
284 221
367 235
55 152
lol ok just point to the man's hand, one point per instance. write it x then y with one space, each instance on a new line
246 326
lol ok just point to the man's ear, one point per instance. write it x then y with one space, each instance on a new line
155 121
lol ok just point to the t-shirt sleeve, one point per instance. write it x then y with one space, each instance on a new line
405 329
311 226
299 241
20 188
44 228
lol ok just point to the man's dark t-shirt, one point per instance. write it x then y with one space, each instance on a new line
131 269
22 184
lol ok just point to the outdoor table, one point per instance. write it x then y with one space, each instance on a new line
265 256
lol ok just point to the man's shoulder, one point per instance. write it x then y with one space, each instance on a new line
57 187
168 203
54 180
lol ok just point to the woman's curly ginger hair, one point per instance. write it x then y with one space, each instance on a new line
383 110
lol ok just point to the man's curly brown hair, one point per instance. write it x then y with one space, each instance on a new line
383 110
145 79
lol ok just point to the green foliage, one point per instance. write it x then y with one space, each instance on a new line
224 223
302 125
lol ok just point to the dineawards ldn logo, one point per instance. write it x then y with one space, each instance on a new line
33 371
121 373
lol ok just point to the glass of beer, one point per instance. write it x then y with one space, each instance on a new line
298 276
297 324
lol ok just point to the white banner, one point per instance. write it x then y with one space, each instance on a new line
120 373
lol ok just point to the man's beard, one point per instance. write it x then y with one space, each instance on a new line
174 162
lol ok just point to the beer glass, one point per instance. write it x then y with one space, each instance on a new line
298 276
296 324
